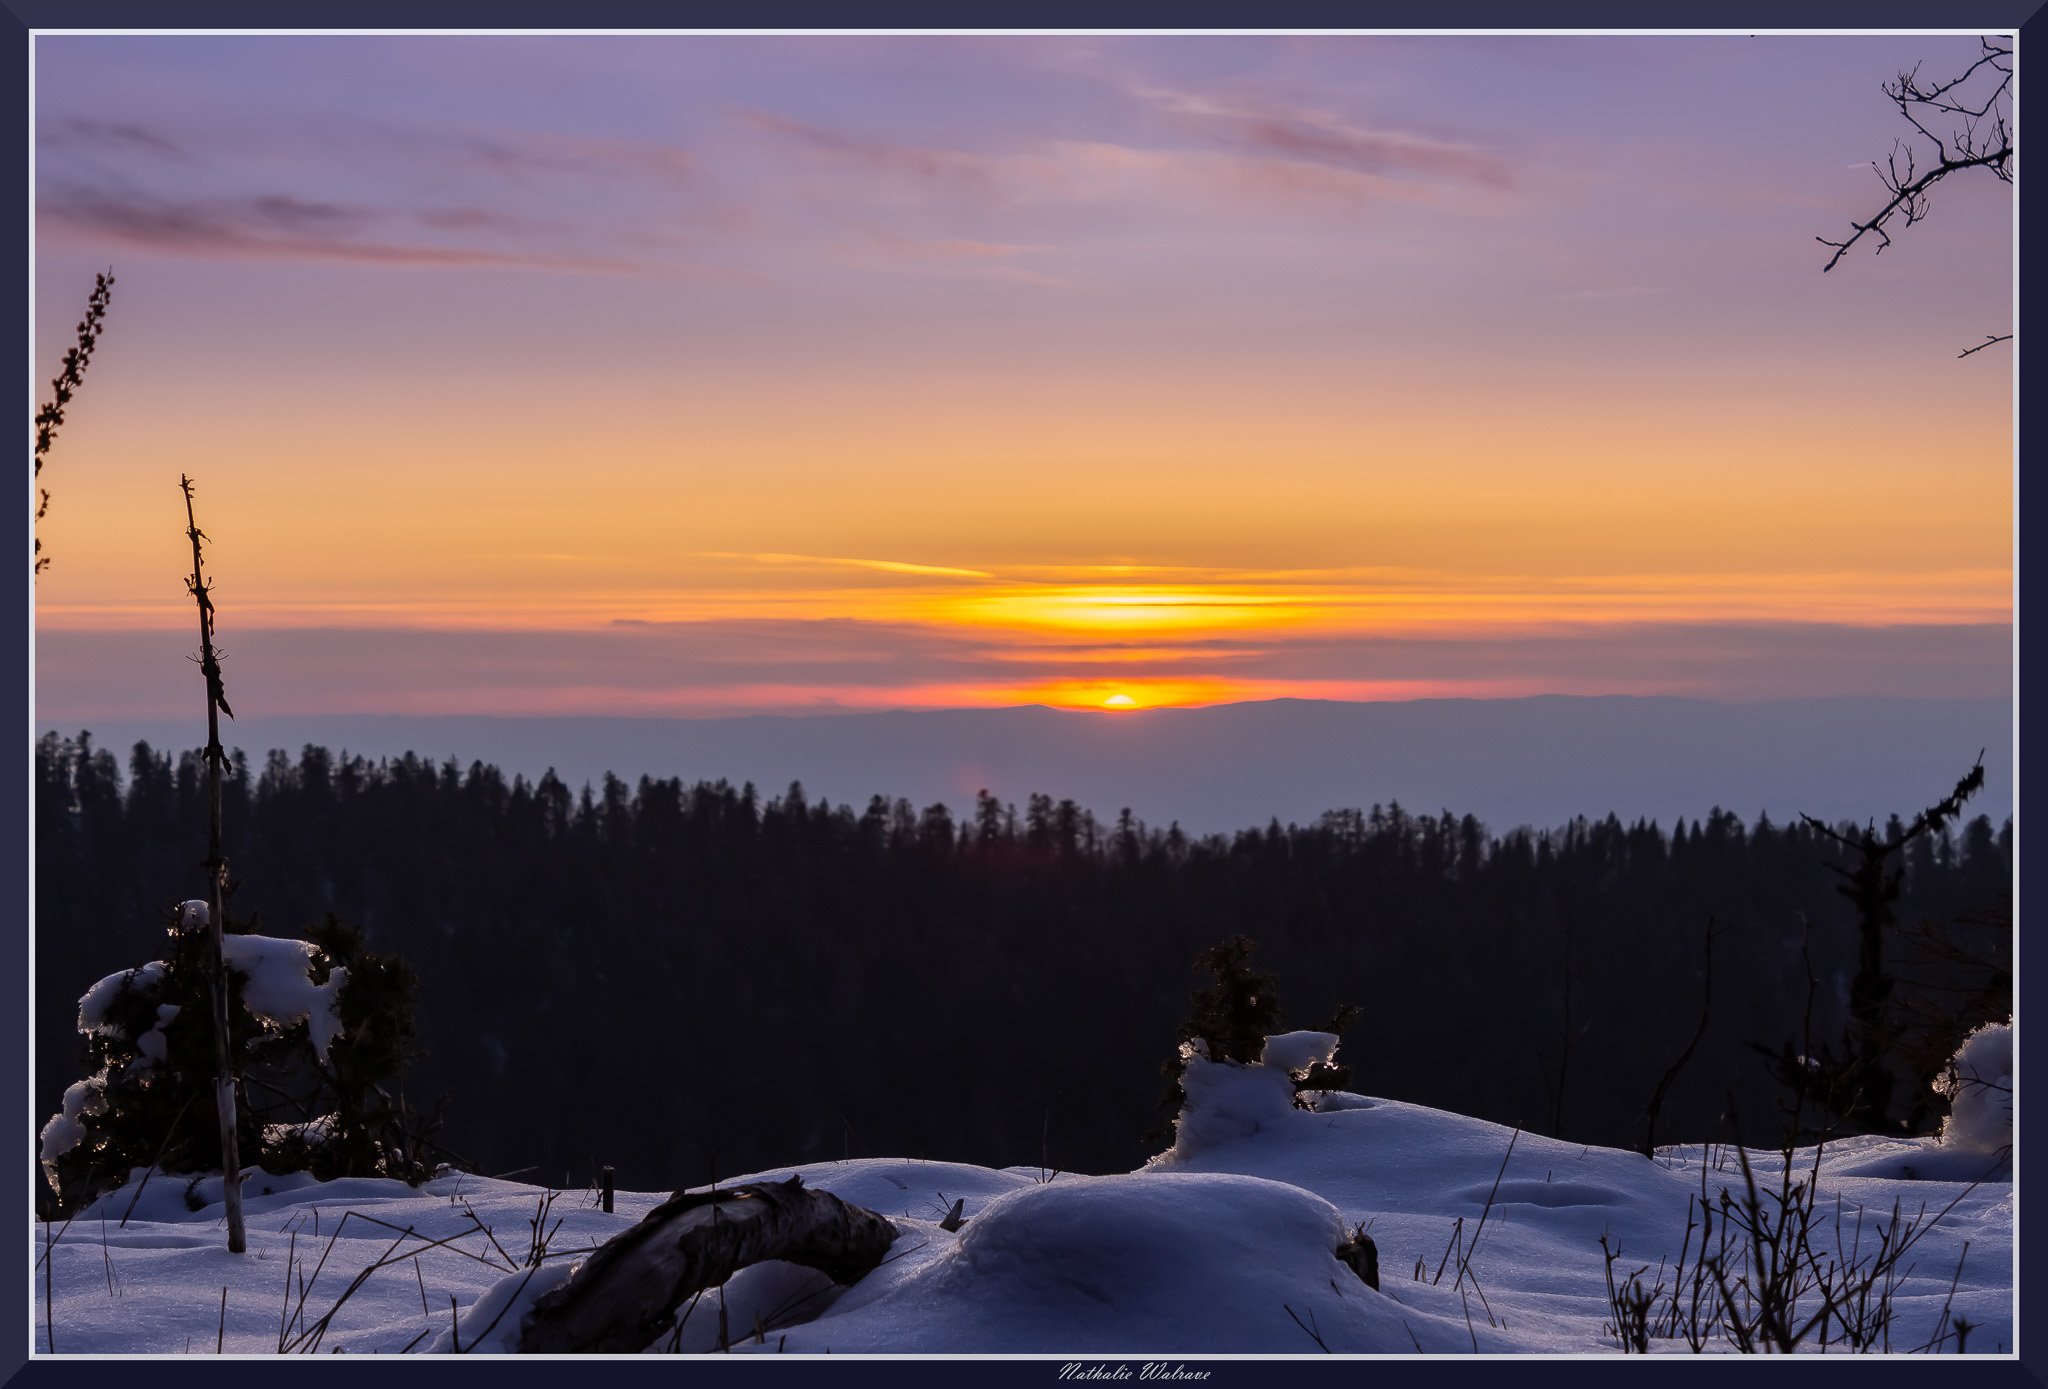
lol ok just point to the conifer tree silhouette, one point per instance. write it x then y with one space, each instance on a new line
1857 1082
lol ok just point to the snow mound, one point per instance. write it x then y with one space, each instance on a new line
900 1188
1188 1262
1219 1254
773 1294
491 1325
1331 1101
1226 1101
1978 1085
364 1193
1551 1195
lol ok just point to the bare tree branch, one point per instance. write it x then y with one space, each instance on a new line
1973 134
1989 340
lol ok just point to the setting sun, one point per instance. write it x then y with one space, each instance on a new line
1073 471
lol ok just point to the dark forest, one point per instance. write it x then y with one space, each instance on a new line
687 980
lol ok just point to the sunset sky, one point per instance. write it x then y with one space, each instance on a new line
698 375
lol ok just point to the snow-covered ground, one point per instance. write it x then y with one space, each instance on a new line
1223 1245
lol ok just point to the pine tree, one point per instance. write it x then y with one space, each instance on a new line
150 1046
1228 1022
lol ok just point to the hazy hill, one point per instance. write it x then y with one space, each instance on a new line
1537 761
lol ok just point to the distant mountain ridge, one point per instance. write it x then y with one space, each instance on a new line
1536 761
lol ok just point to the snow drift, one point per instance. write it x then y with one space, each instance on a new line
1488 1241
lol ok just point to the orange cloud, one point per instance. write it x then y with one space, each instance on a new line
996 605
737 666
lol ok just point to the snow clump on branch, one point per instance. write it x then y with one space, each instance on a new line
1978 1086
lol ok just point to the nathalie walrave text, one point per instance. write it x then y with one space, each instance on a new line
1156 1370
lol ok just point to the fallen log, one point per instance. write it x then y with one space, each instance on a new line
626 1293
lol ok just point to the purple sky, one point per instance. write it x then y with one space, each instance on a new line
1419 365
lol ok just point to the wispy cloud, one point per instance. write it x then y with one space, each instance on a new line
953 256
422 193
980 176
431 192
1273 130
283 227
762 666
1617 292
1266 155
947 248
107 137
394 147
887 565
527 154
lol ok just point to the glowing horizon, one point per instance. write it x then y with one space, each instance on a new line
1181 370
1061 611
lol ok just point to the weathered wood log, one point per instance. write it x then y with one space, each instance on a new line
626 1294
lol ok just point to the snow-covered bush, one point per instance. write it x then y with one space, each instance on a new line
1227 1100
1233 1021
1977 1083
314 1026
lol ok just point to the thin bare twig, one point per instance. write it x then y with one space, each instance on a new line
156 1161
470 1211
1457 1229
106 1255
1473 1248
1656 1104
477 1339
1990 340
1312 1335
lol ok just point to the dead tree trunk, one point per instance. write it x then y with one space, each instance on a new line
1656 1104
217 875
1865 1073
626 1294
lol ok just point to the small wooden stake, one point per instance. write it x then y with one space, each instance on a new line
607 1191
